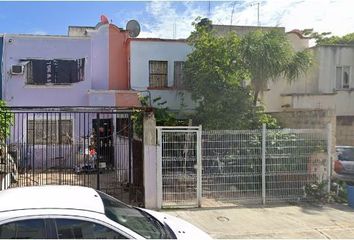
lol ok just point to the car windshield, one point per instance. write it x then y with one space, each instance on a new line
132 218
345 154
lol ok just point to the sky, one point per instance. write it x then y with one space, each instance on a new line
173 19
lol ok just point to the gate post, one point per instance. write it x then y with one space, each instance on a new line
159 169
329 156
150 159
98 151
199 166
264 163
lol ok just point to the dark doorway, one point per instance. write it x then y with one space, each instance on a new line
104 148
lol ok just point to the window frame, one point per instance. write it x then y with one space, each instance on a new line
152 86
42 122
52 66
178 83
342 70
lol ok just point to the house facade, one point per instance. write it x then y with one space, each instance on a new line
89 67
156 71
86 68
328 86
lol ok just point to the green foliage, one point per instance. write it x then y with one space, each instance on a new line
162 115
6 121
323 38
346 39
271 122
319 37
217 71
215 77
268 55
318 192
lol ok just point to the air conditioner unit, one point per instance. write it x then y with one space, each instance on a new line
17 69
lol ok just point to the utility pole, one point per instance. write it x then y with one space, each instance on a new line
258 6
258 14
209 9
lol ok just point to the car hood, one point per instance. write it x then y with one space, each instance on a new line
182 229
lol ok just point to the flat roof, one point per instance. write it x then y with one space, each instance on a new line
44 36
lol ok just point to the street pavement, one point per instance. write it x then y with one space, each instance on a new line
333 221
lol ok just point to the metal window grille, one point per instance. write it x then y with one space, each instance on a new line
158 74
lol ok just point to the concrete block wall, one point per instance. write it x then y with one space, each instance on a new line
310 119
345 130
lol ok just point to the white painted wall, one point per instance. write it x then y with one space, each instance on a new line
317 88
142 51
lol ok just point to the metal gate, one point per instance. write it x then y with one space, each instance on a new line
179 173
71 146
228 167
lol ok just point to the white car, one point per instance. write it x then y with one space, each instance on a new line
73 212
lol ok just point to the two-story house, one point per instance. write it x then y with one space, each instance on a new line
86 68
156 70
328 86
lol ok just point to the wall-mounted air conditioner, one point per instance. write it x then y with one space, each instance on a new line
17 69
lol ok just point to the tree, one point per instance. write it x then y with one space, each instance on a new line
268 55
319 37
6 120
214 74
323 39
163 116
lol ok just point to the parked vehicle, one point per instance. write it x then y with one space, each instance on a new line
344 165
70 212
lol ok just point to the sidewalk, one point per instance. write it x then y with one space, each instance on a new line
306 221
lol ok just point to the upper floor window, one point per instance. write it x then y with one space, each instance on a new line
42 72
158 74
178 74
342 77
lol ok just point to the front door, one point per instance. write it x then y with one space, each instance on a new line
104 148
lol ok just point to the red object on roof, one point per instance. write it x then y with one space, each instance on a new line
104 19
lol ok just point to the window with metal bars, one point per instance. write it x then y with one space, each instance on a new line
46 132
178 74
158 74
56 71
343 76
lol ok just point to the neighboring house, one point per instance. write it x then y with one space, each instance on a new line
329 85
156 69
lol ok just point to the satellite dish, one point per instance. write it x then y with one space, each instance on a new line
133 27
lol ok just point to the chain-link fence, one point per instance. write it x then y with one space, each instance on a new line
242 166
